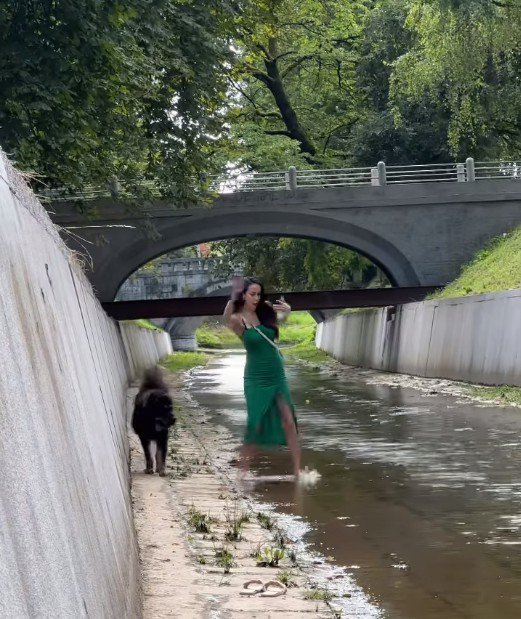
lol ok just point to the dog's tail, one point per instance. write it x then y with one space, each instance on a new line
153 379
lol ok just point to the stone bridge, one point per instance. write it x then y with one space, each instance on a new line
419 234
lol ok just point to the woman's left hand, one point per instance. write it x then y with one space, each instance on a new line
281 306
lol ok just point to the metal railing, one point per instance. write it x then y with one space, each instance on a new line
293 179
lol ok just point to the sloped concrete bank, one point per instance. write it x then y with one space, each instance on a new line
67 539
474 339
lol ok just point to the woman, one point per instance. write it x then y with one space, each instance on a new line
271 416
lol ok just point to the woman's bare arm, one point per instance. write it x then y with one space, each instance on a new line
236 324
233 321
228 311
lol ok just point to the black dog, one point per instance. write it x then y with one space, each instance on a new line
152 418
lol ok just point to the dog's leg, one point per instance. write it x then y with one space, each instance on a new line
162 446
148 458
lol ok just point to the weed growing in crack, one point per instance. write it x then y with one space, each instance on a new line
265 521
224 559
280 539
255 551
234 525
270 557
287 577
322 595
199 521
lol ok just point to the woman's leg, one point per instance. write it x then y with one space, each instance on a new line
247 454
290 430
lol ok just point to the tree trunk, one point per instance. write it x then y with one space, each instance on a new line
275 85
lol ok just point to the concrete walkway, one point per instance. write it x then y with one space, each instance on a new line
199 573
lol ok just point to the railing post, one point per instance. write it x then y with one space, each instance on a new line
292 178
471 172
382 174
114 187
374 177
460 172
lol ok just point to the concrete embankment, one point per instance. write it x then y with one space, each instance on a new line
475 339
67 538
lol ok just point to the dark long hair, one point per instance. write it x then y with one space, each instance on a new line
265 313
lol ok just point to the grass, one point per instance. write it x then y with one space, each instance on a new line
496 267
234 525
318 594
354 310
199 521
300 330
265 521
179 361
287 577
307 351
279 538
299 327
224 559
216 335
502 394
144 324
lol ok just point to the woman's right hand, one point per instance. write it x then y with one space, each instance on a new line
237 287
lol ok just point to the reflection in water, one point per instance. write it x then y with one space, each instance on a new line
420 494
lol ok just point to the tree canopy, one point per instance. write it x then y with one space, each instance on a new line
93 89
466 54
293 264
172 90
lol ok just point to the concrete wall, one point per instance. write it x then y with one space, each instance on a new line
475 339
143 347
67 540
171 277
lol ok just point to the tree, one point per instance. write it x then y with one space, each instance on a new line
293 79
466 54
93 89
293 264
420 136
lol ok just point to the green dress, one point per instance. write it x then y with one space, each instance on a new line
264 385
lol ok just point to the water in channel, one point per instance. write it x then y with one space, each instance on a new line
420 495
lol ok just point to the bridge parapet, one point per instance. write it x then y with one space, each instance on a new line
294 179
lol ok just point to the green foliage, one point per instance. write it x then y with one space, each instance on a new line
294 78
496 267
307 351
172 90
287 577
318 594
180 361
234 525
270 557
224 559
293 264
265 521
216 335
199 521
300 327
144 324
501 395
467 56
93 90
400 131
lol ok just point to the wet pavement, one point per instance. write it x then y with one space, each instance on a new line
420 495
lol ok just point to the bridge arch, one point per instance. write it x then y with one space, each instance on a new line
212 225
